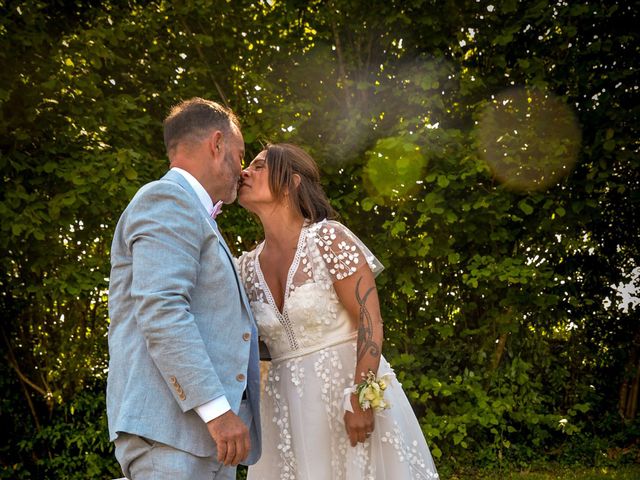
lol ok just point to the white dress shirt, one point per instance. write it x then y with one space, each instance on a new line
219 405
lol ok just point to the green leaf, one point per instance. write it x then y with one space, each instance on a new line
69 199
367 204
609 145
525 207
445 330
443 181
130 173
453 258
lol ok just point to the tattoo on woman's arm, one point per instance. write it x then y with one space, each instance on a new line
365 326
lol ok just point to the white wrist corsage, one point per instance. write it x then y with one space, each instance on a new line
370 393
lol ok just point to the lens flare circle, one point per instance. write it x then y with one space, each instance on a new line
394 166
529 139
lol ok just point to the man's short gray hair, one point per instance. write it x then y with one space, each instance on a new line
193 119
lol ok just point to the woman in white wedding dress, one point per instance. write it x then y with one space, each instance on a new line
312 291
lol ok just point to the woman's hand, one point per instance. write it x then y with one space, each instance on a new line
360 423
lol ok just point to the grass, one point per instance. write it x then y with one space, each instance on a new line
629 472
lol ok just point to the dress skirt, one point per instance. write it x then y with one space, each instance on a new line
303 431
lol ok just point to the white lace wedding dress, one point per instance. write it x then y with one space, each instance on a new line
312 343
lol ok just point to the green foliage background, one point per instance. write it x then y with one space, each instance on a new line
502 317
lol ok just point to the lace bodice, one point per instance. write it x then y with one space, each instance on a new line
312 317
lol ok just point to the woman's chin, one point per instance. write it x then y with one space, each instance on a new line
242 201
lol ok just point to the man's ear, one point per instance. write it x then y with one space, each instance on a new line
216 143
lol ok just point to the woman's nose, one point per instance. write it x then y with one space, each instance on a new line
244 173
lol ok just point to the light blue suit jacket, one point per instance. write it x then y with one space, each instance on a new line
181 331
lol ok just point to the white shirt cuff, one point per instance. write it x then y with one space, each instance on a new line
213 409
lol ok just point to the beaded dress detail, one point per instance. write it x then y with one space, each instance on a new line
312 342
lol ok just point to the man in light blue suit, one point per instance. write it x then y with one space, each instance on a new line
183 384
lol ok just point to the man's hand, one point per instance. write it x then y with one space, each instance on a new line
359 424
232 438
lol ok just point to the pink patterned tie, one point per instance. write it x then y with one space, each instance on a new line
217 208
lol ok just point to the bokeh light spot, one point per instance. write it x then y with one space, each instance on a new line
529 139
394 166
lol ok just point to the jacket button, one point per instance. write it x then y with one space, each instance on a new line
240 377
246 336
173 379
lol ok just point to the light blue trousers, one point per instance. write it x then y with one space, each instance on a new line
143 459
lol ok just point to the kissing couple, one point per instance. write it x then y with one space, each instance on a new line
184 396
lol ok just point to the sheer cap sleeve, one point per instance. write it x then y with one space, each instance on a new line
342 251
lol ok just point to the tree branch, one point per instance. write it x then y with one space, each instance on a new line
341 69
204 59
24 381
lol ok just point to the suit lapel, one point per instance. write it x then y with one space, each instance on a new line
180 180
245 300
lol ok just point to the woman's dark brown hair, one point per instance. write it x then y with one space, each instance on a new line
284 160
